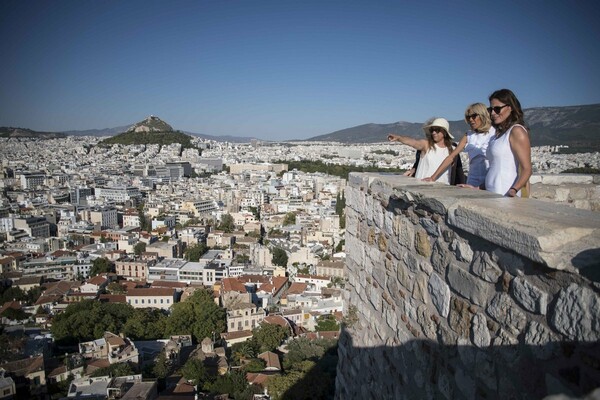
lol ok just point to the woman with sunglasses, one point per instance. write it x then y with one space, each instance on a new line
475 143
433 150
509 150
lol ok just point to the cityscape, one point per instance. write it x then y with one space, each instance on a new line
207 270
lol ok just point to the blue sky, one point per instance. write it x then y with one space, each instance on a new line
287 69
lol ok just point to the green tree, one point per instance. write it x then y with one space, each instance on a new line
244 351
115 288
327 323
101 265
289 219
227 224
198 315
269 336
161 367
146 324
234 384
340 207
339 247
13 293
255 365
195 251
195 372
139 248
280 257
88 320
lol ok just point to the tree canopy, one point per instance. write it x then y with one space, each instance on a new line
227 224
199 315
195 251
280 257
101 265
269 336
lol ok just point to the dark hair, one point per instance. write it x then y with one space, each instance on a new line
506 96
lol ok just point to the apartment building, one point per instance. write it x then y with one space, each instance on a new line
244 316
162 298
134 269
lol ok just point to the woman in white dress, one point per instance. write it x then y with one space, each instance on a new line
475 143
434 149
509 150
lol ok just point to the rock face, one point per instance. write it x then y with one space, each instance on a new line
472 296
151 124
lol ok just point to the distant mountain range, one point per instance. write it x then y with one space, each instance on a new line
575 126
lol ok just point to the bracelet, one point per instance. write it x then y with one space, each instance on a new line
514 188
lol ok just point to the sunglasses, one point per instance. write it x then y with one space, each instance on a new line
436 129
471 116
496 109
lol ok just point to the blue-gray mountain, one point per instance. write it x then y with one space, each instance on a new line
576 126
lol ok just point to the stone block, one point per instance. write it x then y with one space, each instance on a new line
562 179
440 257
462 250
480 335
419 290
440 294
422 245
530 297
542 342
459 318
432 228
485 268
467 285
504 311
576 313
540 231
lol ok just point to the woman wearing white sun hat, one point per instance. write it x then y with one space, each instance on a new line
434 149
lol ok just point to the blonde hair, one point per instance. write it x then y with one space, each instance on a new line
481 110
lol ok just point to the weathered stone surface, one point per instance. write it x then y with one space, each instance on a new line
542 342
465 384
444 386
440 294
430 227
422 245
554 243
406 233
467 285
427 325
459 317
576 314
503 310
485 370
420 289
440 257
480 335
485 268
530 297
405 277
463 250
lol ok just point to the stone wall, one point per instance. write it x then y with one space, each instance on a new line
573 190
461 294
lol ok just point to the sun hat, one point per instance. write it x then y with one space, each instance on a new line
437 122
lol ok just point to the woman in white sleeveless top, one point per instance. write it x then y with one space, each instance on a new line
509 150
434 149
475 143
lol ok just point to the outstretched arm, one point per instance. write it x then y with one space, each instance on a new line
418 144
521 148
448 160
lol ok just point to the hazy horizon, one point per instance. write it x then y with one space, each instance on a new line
286 70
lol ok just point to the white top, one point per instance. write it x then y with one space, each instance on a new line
430 161
504 167
476 148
